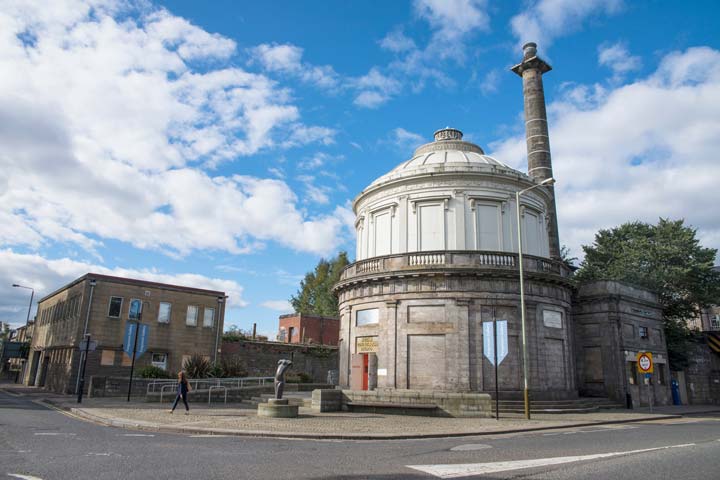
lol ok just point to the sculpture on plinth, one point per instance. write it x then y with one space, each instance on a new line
283 365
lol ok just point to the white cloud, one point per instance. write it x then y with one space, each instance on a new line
287 58
314 193
375 88
280 305
453 19
544 20
46 275
107 127
618 59
405 140
640 151
490 82
396 41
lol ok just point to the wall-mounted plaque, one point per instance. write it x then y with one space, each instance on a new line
552 319
366 345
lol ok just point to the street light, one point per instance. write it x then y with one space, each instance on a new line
546 182
32 293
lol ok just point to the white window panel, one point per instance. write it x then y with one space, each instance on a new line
192 315
531 233
432 227
208 317
488 226
383 234
164 312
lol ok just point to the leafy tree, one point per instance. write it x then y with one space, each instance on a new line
666 258
315 295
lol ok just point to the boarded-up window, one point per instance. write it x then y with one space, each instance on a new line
383 235
107 358
126 360
432 226
115 307
488 226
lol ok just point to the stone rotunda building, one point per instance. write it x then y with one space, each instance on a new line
437 256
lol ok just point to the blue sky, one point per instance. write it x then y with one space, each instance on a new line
219 144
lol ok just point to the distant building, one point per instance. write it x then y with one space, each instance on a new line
301 328
183 321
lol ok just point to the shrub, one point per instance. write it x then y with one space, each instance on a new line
233 367
298 377
197 366
152 371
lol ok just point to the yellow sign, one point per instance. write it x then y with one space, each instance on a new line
366 345
644 362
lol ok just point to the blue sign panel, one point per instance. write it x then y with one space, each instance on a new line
142 341
489 341
129 338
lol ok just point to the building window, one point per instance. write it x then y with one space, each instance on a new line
115 307
164 312
489 226
192 315
660 373
135 309
715 322
632 373
159 360
367 317
643 331
108 358
208 317
431 226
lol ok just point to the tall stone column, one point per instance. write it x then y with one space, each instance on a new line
531 69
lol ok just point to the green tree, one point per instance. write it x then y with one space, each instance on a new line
315 295
666 258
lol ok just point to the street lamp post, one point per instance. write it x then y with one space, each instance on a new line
32 293
548 181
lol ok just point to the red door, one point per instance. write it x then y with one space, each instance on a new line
365 370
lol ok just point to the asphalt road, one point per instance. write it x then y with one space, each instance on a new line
38 442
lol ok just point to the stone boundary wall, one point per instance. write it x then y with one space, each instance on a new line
702 376
260 358
448 403
235 394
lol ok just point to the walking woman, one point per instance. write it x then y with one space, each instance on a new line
183 388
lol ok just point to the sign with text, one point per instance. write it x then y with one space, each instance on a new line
489 341
366 345
645 362
552 319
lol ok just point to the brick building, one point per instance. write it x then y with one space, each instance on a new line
300 328
182 321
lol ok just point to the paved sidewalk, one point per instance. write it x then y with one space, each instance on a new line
221 419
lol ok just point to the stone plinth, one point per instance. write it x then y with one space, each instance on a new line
326 400
277 408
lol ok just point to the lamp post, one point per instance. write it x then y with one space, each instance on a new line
32 293
83 354
546 182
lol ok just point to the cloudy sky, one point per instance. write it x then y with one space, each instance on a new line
219 144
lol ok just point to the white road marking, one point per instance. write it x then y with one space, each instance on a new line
470 446
467 469
23 477
136 435
103 454
209 436
55 434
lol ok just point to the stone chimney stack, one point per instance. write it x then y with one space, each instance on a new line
531 70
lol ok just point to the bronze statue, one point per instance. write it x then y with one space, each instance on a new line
283 365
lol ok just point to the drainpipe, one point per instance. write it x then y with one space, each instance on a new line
85 328
220 315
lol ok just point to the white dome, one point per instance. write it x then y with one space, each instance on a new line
447 153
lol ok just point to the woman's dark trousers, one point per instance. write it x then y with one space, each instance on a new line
184 399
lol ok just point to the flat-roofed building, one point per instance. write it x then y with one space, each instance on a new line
182 321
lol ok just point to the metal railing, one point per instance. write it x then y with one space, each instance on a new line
216 387
196 383
455 259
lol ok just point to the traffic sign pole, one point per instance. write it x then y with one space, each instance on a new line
84 365
132 364
497 398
